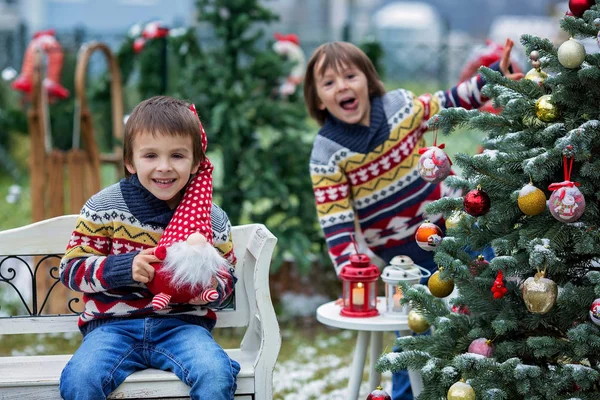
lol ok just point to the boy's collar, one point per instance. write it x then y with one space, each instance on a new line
144 206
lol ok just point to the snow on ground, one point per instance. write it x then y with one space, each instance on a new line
312 373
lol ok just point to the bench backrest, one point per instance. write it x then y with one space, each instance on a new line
253 246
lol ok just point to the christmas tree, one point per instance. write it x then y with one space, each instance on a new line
524 325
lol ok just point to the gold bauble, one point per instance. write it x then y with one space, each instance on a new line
545 110
455 218
440 287
536 75
417 322
539 293
532 201
461 391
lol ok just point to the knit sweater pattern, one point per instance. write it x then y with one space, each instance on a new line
370 174
113 227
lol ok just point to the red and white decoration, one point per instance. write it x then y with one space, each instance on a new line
152 30
289 47
595 312
191 266
434 164
428 236
46 42
498 288
566 202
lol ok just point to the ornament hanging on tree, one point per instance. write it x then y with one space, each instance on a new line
440 287
477 202
417 322
578 7
288 46
428 236
498 288
379 394
482 346
454 219
566 203
532 201
571 54
461 391
545 110
536 74
595 312
462 309
434 164
478 265
539 293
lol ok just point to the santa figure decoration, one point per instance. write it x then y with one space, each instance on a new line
192 269
289 47
44 41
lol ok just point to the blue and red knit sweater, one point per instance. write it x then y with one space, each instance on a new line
369 174
114 225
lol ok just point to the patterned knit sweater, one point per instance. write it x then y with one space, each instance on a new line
370 173
114 225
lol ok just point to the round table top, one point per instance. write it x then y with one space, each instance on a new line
329 314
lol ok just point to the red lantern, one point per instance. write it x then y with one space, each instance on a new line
359 287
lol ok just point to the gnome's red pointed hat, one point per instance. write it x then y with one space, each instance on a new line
191 266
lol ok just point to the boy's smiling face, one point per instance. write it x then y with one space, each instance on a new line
163 164
344 92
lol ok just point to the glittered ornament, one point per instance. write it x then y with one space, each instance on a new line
578 7
461 391
440 287
477 202
571 54
417 322
434 164
482 346
595 312
539 293
379 394
478 265
454 219
536 75
532 201
566 202
428 236
545 110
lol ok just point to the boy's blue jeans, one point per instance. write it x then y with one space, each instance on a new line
115 350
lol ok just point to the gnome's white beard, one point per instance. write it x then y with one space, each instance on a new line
193 266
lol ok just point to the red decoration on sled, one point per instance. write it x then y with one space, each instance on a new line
46 42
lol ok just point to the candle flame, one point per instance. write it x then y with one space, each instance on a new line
359 285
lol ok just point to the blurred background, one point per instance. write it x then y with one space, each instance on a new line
241 62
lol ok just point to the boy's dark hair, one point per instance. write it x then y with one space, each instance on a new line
334 55
162 115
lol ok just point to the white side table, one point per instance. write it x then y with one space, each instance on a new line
368 328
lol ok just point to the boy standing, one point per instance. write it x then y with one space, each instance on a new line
109 259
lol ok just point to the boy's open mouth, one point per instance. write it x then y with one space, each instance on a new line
349 103
163 181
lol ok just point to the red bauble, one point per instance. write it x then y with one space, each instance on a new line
138 45
478 265
379 394
578 7
476 202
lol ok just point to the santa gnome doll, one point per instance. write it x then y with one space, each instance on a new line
191 267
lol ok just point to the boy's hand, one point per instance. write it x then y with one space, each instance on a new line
197 301
141 270
505 62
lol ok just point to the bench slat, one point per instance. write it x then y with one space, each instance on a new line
36 377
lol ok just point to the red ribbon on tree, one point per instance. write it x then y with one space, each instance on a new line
567 169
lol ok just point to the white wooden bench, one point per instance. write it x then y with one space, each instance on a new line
37 377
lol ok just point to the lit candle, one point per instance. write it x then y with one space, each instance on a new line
358 295
397 298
